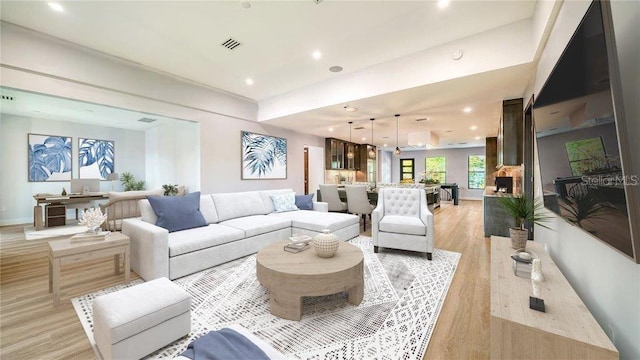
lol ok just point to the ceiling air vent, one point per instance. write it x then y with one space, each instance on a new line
358 128
7 97
147 120
423 119
230 43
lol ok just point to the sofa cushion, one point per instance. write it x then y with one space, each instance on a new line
318 221
402 225
235 205
146 212
186 241
177 213
305 202
268 202
208 209
284 202
257 224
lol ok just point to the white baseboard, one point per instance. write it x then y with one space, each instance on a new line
17 221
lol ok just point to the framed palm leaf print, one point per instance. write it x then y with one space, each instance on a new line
263 156
95 158
49 158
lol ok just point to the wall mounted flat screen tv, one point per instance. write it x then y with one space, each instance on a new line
577 131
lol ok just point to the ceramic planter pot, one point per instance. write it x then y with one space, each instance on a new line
518 238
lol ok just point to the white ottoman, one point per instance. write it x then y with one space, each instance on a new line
136 321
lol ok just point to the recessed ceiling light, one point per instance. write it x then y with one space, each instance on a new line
467 109
316 54
364 138
249 81
457 55
443 3
350 108
478 137
385 145
474 127
56 6
330 129
335 68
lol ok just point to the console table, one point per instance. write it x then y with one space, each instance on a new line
60 211
567 330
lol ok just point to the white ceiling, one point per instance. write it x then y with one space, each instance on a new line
183 38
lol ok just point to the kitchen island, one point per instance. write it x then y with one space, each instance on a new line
496 219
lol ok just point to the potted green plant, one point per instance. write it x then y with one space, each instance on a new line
170 189
130 183
523 209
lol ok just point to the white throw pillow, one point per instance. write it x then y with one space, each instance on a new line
146 212
284 202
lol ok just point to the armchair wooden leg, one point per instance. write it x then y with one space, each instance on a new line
429 256
375 249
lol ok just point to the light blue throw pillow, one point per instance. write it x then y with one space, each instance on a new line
284 202
177 213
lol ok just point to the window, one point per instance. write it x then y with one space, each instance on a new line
476 171
407 169
436 169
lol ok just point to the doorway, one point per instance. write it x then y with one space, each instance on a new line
313 168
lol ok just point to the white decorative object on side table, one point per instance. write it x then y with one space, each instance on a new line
326 244
92 219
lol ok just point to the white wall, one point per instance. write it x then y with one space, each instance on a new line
220 156
173 155
17 201
316 168
607 281
457 167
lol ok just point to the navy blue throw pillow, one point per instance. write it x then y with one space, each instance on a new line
177 213
304 202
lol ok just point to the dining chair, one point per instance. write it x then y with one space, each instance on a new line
329 194
358 202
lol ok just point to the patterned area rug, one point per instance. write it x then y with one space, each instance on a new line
404 293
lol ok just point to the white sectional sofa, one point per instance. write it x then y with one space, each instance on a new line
239 224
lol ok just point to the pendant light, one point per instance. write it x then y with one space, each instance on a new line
372 152
397 151
350 152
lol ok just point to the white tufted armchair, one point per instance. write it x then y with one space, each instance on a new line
402 220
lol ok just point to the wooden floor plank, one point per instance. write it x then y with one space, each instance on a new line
32 328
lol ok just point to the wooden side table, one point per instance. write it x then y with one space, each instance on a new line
66 252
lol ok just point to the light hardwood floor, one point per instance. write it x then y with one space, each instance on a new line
32 328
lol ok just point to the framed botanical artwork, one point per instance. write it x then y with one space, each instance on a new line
49 157
263 156
95 158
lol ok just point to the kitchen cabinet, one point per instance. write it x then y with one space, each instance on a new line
366 167
510 133
491 159
335 155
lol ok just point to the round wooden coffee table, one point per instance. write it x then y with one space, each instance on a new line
290 276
